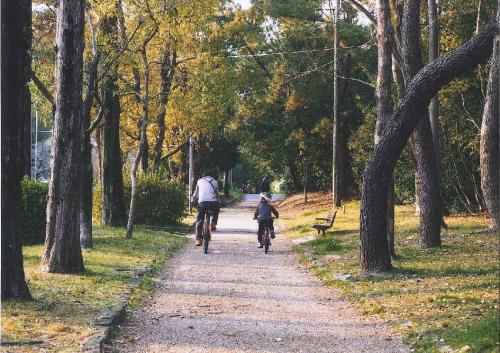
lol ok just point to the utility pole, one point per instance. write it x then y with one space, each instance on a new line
190 172
335 133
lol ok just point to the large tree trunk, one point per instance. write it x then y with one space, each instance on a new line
167 71
376 177
62 252
490 136
16 64
336 165
384 96
113 205
226 183
421 141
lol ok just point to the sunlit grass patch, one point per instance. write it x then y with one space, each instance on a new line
64 306
439 297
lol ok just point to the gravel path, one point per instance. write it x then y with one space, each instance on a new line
237 299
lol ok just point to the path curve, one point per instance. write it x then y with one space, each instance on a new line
237 299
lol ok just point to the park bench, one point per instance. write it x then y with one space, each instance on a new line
327 225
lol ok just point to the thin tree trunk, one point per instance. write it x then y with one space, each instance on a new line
226 183
421 140
305 181
384 96
16 65
490 136
143 141
62 252
376 177
87 176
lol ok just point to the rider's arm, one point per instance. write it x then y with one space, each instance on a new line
196 193
256 213
275 213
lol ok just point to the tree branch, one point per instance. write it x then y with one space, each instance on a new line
43 89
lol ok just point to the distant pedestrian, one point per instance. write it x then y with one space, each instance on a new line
264 185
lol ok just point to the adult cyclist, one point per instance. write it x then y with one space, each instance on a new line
207 194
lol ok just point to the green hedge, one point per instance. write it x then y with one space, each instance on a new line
33 210
159 202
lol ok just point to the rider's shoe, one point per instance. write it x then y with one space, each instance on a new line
261 246
273 235
213 227
198 242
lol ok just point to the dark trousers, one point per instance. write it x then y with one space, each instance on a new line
263 223
203 207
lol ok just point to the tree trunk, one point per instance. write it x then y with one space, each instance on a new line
142 148
490 136
167 71
305 181
133 182
384 97
62 252
226 183
376 177
16 65
87 177
421 140
434 106
113 205
145 155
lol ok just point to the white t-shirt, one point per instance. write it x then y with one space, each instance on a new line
207 189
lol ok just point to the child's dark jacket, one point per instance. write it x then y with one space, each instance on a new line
265 211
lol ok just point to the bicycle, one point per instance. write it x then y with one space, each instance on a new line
266 238
205 230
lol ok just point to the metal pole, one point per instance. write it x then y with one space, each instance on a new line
190 173
36 143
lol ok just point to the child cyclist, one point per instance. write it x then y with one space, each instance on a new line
263 214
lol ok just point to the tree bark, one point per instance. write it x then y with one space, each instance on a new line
16 67
421 141
336 176
62 252
113 204
433 54
490 136
87 177
384 96
167 71
376 177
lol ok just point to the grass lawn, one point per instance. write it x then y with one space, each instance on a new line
64 306
441 300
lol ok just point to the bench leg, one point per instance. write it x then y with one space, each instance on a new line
323 233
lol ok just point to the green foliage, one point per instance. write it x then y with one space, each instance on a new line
159 201
33 209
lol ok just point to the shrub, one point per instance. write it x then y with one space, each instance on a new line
33 210
159 202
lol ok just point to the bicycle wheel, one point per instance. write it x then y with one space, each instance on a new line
267 241
206 234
